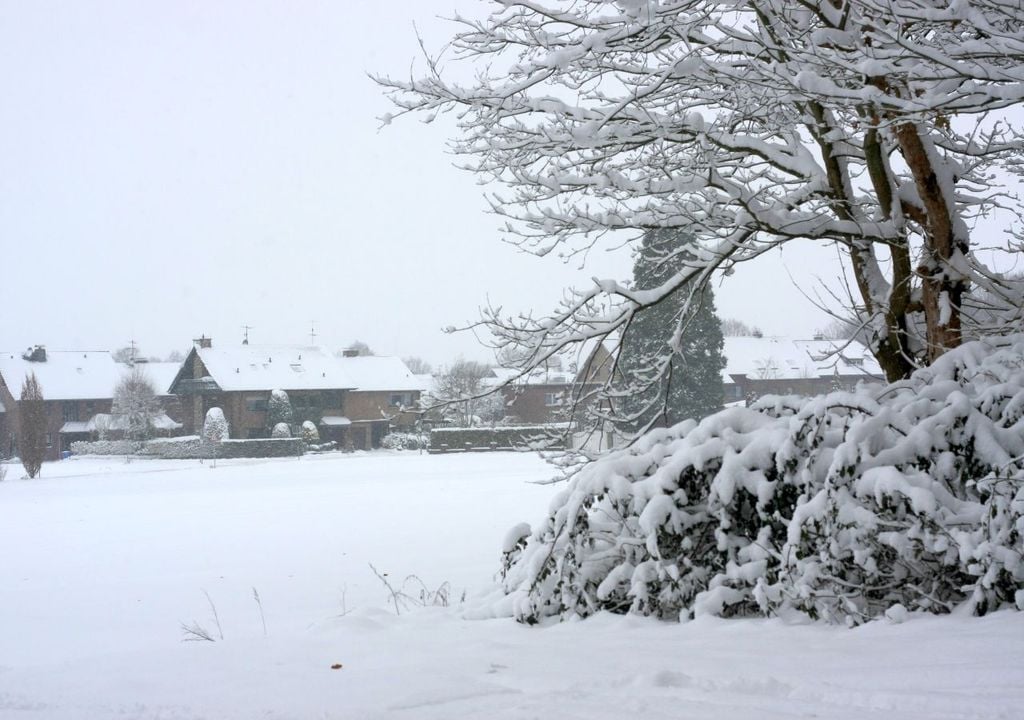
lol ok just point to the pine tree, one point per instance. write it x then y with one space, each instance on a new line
665 381
32 426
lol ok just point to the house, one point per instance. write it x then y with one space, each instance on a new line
78 389
354 401
239 379
386 396
757 366
556 393
77 385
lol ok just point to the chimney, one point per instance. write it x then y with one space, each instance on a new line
36 353
203 342
350 353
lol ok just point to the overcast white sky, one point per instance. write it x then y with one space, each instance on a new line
172 169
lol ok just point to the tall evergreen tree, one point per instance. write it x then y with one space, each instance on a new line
32 426
664 381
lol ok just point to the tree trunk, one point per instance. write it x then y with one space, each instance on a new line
943 284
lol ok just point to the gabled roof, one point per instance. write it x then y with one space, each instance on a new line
778 358
273 367
377 373
161 374
64 374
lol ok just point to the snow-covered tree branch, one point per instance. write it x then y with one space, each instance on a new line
870 124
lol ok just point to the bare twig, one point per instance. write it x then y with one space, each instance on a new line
259 604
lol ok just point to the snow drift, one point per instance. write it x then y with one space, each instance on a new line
839 507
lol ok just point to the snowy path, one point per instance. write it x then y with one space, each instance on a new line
103 561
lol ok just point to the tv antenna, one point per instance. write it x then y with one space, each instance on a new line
246 329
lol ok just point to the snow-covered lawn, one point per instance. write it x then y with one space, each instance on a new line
103 561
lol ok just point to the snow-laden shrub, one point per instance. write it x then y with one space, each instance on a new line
838 507
215 427
279 408
106 447
309 433
405 441
281 430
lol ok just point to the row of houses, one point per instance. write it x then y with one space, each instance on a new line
755 366
353 400
356 400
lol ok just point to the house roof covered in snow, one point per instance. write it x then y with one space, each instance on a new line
63 374
162 374
777 358
274 367
370 373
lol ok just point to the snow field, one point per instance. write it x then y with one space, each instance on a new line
103 561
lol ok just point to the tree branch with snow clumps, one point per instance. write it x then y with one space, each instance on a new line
873 125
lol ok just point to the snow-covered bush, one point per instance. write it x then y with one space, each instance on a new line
281 430
838 507
405 441
106 447
309 433
215 427
279 409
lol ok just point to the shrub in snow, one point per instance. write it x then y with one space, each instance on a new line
106 447
215 428
405 441
309 432
279 409
281 430
839 507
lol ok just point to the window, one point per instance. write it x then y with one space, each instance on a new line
70 411
49 440
403 399
256 403
553 399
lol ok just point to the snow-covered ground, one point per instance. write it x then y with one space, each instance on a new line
103 562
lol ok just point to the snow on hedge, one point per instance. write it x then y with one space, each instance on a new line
839 507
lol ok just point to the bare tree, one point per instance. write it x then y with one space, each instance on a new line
359 348
464 390
135 405
125 355
174 356
32 426
732 327
872 125
417 365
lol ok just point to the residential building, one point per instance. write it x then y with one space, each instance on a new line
757 366
239 379
556 392
353 401
386 397
76 386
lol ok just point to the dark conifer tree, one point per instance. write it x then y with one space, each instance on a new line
665 379
31 426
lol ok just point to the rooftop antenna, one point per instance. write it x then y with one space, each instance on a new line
312 332
246 329
134 348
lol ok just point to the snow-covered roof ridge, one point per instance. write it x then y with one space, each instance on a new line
64 374
783 358
381 373
271 367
